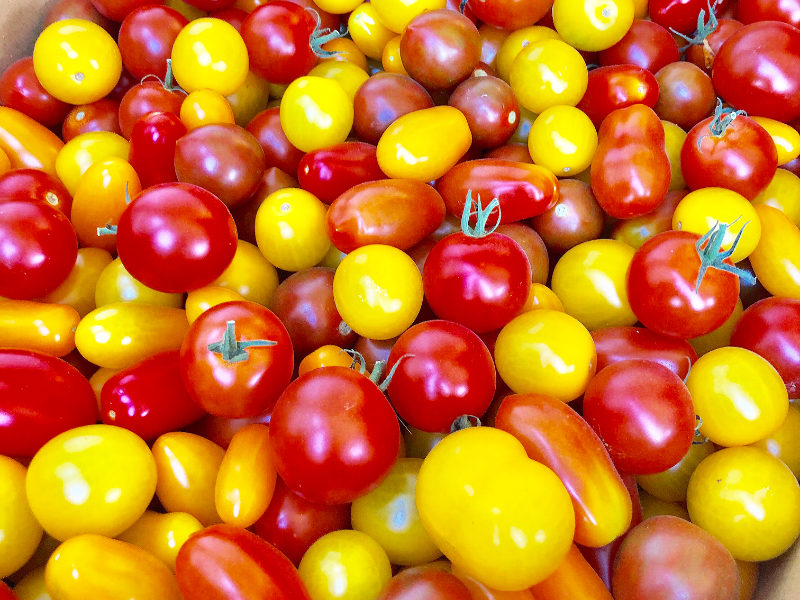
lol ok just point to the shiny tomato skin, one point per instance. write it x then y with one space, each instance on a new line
200 230
102 115
703 56
647 45
145 39
425 582
510 15
334 434
615 344
617 86
35 185
149 398
278 150
144 98
395 212
681 15
444 371
643 413
491 109
42 396
117 10
20 89
225 562
329 172
152 153
752 11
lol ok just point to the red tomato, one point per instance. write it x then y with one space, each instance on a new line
21 90
145 39
617 86
425 582
117 10
752 11
144 98
236 359
77 9
615 344
35 185
681 15
102 115
329 172
647 45
510 14
225 562
278 150
152 153
334 434
210 5
703 52
41 396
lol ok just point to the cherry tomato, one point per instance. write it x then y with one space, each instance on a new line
776 259
153 143
368 31
249 275
21 90
615 344
329 172
424 582
145 39
574 218
115 284
38 326
491 109
26 143
563 139
35 185
397 15
510 15
162 534
148 97
574 578
315 113
592 26
671 485
681 15
77 290
618 86
206 107
646 44
21 531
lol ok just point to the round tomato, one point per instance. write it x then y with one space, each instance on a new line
315 113
595 25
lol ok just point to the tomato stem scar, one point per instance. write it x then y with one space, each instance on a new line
465 422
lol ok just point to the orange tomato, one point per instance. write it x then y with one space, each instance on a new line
45 327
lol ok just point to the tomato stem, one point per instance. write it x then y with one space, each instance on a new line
699 438
380 366
704 28
357 356
234 351
109 229
708 249
320 36
481 217
168 82
465 422
723 117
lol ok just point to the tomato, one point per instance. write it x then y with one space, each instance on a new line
646 44
278 150
348 75
210 54
206 107
162 534
509 15
200 300
115 284
291 523
615 344
21 530
148 97
315 113
618 86
77 290
26 143
785 137
81 567
76 61
38 326
562 139
35 185
490 107
515 41
513 547
748 500
83 151
249 275
630 171
425 582
592 26
368 30
574 578
574 218
534 248
666 556
21 90
329 172
671 485
228 562
324 356
682 15
636 231
91 479
776 259
153 141
686 94
145 39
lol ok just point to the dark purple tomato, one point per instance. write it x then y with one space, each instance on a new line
686 94
533 246
425 581
329 172
490 107
615 344
574 219
381 100
78 9
146 37
278 150
20 89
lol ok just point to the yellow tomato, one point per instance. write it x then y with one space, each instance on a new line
115 284
94 566
563 139
345 565
414 147
291 229
545 352
187 473
548 73
670 485
82 151
39 326
592 25
346 74
324 356
776 259
396 14
345 50
701 209
368 31
20 532
76 61
200 300
249 99
315 113
389 515
721 336
121 334
390 59
27 143
161 534
77 290
338 7
205 107
784 442
250 274
378 291
748 500
673 141
542 296
652 506
91 479
516 41
738 395
590 280
246 478
783 193
520 516
785 137
32 586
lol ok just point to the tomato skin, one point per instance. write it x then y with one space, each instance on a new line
40 326
574 578
145 39
646 44
278 150
357 423
43 397
35 185
617 86
680 14
555 435
144 98
630 172
752 11
101 115
21 90
510 15
329 172
393 212
615 344
153 140
523 190
425 582
27 143
643 413
776 259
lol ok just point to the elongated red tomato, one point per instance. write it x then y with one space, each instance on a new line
329 172
617 86
614 344
555 435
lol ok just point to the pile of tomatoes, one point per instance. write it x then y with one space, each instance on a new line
400 300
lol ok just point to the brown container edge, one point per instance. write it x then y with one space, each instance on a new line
20 21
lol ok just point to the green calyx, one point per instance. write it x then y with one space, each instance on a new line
723 117
465 422
481 217
321 36
360 364
704 28
168 82
709 250
234 351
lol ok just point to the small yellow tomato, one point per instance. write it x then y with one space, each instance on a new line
516 41
205 107
98 380
345 50
546 352
701 209
674 137
413 146
721 336
121 334
246 478
32 586
346 565
652 507
115 284
396 14
82 151
547 73
390 59
324 356
785 137
338 7
776 259
748 500
378 291
187 473
76 61
91 479
250 275
210 54
783 193
200 300
592 25
315 113
542 296
563 139
670 485
389 515
291 229
39 326
784 442
94 566
590 280
161 534
738 395
249 99
346 74
20 532
368 31
78 289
